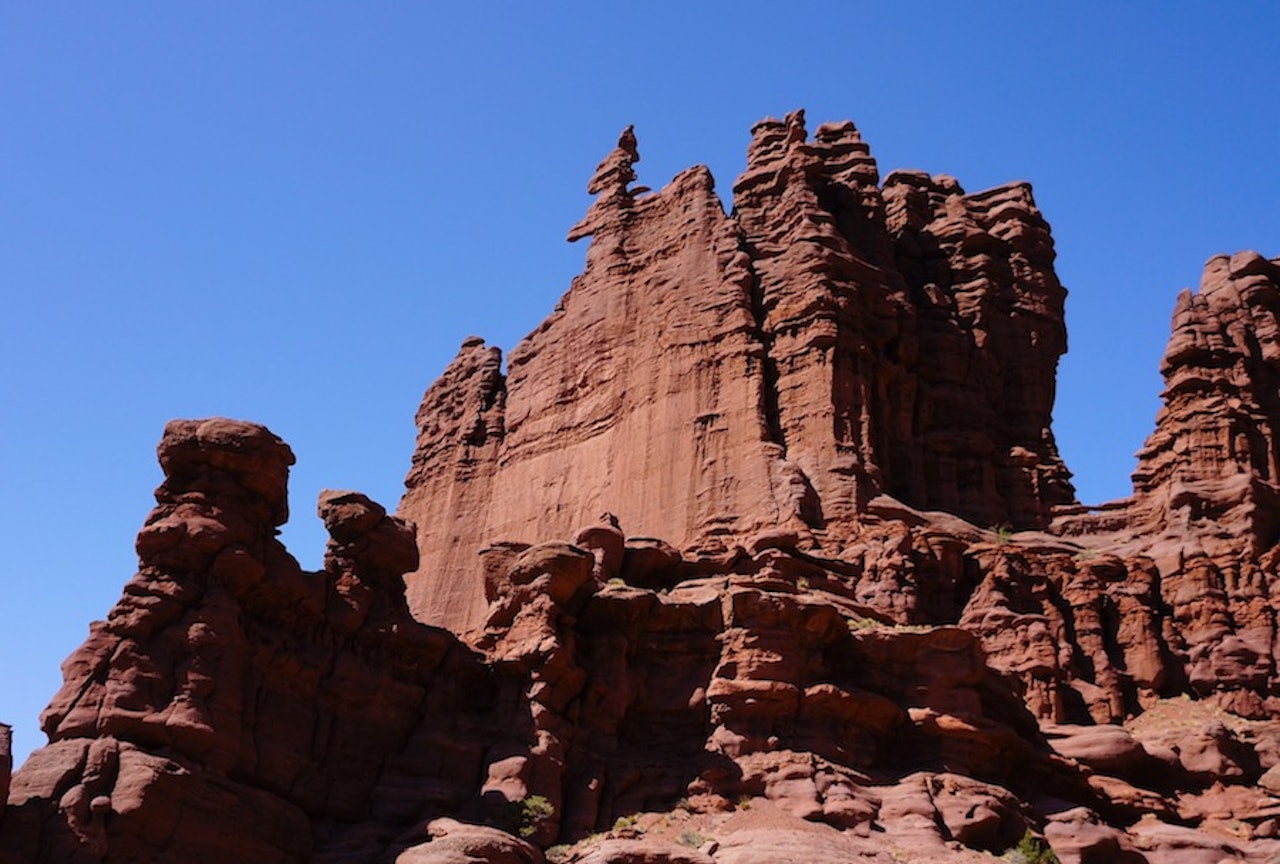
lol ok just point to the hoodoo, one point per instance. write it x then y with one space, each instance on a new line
759 548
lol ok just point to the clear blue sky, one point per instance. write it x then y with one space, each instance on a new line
293 213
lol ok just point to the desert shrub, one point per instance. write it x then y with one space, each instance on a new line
622 823
692 839
1031 850
524 817
535 811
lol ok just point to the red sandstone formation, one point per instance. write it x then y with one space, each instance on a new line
759 549
709 376
234 705
641 395
929 320
1211 467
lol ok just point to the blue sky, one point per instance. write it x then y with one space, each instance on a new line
293 213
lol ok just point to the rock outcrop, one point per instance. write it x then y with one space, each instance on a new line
758 549
930 321
232 705
1195 546
1211 467
641 395
235 705
709 376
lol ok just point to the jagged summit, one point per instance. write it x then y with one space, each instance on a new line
611 183
710 376
759 550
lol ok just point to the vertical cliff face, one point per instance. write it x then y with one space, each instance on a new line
1211 466
709 377
931 322
642 395
829 315
450 486
989 311
734 529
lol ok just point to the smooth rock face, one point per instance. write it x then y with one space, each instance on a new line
454 842
731 561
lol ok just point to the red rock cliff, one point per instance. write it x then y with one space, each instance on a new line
710 376
733 543
1213 463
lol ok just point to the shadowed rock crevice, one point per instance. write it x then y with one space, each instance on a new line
769 366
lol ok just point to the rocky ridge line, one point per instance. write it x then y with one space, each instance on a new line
712 375
855 614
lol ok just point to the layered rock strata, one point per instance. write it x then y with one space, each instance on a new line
1210 469
233 705
710 375
1195 545
641 395
930 321
759 549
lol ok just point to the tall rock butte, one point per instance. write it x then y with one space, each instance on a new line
711 376
759 550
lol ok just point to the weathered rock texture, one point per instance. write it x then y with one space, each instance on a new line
759 549
1195 555
708 376
930 321
1211 467
234 707
642 395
